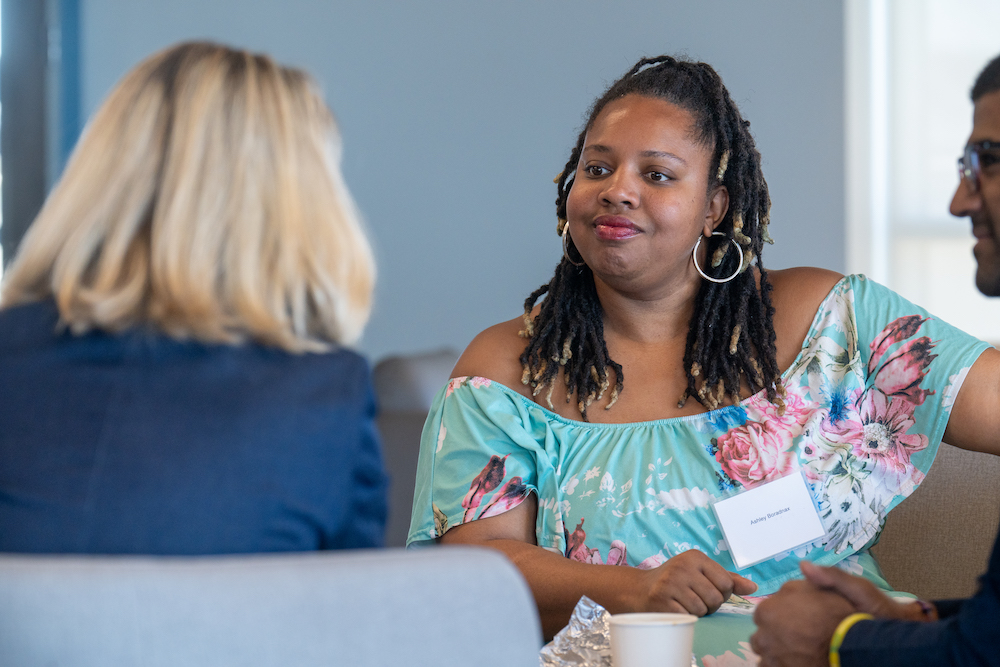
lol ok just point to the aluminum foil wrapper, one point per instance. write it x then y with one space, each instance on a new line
585 642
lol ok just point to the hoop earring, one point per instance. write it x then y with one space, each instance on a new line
694 258
565 242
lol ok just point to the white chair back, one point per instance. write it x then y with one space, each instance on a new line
435 607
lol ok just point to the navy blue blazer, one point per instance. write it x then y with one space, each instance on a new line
139 444
967 634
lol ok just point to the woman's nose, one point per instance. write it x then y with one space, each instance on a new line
965 201
620 189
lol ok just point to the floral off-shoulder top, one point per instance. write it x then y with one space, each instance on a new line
869 397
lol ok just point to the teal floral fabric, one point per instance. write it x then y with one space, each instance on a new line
868 400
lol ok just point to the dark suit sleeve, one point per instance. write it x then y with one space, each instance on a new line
970 636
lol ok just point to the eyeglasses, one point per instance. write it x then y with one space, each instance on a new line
977 156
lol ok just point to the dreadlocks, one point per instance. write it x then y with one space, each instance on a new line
731 334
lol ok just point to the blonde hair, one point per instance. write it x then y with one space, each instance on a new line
205 198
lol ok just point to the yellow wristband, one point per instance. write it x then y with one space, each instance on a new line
841 632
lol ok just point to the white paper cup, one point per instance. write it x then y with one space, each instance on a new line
652 640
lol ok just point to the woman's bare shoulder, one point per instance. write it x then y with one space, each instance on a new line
496 354
803 287
796 296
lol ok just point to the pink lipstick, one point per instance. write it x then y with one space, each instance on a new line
615 228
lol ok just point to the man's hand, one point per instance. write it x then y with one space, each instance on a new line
794 626
861 593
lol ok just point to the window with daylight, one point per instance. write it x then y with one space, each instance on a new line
910 65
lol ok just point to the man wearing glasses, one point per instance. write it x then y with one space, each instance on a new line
978 193
833 618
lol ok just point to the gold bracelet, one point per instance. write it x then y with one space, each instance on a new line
841 632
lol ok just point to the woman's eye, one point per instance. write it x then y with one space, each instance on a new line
658 176
596 170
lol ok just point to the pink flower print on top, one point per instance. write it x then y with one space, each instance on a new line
488 479
879 432
903 372
575 541
654 561
616 554
789 424
476 381
761 451
454 384
752 455
577 550
897 330
510 497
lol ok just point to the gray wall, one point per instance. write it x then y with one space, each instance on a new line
22 135
456 116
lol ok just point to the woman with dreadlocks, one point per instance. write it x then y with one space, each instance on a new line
664 369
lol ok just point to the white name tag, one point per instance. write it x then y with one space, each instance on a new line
768 520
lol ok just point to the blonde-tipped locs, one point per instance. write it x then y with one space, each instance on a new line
205 199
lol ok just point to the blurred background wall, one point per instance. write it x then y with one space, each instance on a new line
456 115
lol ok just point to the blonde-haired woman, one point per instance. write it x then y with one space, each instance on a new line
172 376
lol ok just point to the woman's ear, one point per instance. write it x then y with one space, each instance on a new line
718 204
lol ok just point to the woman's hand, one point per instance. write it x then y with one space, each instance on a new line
692 583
